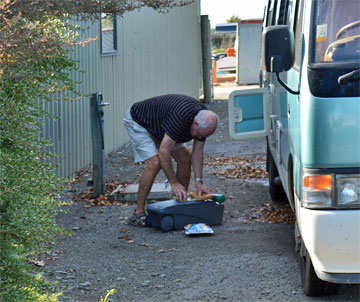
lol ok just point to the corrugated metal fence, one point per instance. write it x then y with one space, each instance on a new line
156 54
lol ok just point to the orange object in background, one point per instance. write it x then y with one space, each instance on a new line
214 72
230 52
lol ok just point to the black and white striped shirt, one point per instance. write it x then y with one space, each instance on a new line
172 114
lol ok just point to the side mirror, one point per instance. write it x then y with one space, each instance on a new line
278 48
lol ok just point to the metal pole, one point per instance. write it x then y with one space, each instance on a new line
98 146
237 48
206 57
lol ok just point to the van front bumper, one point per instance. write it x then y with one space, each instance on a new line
332 239
339 278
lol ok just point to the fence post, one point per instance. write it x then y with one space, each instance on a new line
98 145
206 57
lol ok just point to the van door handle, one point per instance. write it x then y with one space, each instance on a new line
238 115
288 109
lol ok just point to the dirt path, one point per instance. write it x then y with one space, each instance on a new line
249 258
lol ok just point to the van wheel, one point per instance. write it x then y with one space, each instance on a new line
276 189
312 285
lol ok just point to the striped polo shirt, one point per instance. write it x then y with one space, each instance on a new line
172 114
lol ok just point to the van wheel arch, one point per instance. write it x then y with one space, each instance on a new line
311 283
291 183
276 189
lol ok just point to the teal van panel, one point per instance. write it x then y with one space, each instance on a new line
331 132
249 125
252 113
284 107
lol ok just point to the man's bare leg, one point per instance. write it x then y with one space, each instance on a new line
152 168
182 157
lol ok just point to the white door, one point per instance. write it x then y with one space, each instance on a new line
249 113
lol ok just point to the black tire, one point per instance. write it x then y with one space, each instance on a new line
167 223
312 285
276 191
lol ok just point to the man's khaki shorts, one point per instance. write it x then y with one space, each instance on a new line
144 144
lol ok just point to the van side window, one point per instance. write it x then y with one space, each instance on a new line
294 16
282 12
290 14
271 12
298 32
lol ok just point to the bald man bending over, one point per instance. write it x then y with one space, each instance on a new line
158 128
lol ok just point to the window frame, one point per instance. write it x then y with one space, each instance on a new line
282 12
298 32
110 51
271 13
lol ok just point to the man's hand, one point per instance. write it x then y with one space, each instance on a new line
165 160
201 189
179 191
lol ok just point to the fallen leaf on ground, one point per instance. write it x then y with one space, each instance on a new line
102 200
145 244
237 167
271 213
168 250
38 262
127 237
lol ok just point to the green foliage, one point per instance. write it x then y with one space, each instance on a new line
218 50
35 40
233 19
109 293
223 40
27 204
27 181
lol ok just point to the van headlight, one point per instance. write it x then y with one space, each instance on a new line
330 191
348 190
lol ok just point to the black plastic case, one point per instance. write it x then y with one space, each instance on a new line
174 215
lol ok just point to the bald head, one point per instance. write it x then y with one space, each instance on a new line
206 121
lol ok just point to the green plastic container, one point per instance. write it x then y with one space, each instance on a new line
220 198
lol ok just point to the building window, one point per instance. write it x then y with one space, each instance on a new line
108 34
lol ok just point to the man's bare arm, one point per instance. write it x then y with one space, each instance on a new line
165 161
197 159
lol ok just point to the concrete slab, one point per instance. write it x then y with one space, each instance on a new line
159 191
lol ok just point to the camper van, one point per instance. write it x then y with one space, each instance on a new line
308 108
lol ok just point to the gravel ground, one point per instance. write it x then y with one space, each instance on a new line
247 259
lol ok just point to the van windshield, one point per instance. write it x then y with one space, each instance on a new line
336 31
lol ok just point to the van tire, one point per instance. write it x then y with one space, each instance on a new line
312 285
276 190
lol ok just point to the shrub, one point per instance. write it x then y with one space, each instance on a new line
35 39
27 180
